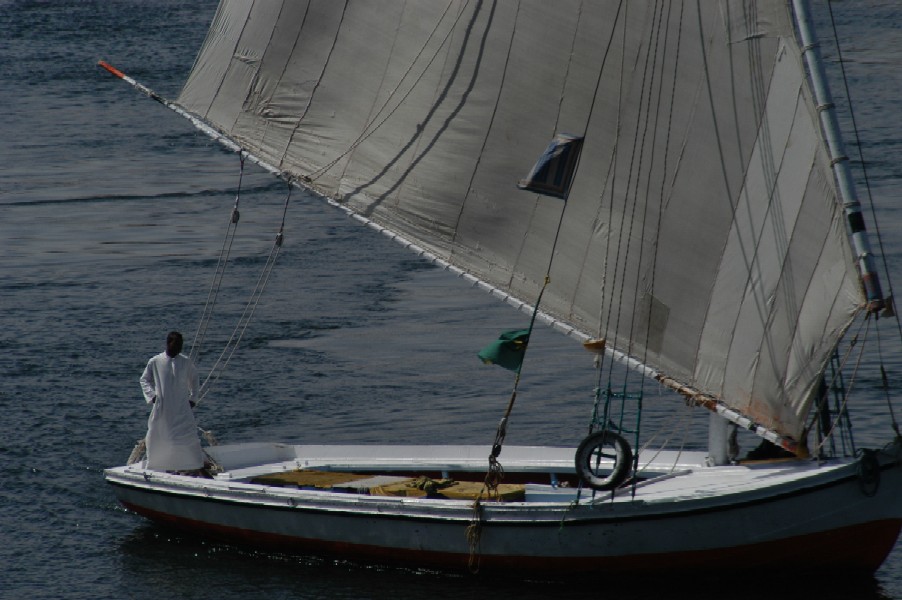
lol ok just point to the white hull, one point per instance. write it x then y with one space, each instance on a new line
685 515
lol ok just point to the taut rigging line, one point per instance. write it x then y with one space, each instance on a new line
251 306
224 252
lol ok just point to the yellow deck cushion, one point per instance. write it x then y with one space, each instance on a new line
303 478
458 490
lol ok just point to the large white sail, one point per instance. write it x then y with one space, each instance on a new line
701 234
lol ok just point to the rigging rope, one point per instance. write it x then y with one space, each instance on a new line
677 423
243 322
605 321
610 322
495 472
831 385
207 314
870 198
658 223
848 391
649 73
884 380
602 321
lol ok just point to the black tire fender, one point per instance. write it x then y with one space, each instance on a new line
606 444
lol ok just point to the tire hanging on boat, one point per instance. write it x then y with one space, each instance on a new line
603 444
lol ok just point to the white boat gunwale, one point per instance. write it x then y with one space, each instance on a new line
602 509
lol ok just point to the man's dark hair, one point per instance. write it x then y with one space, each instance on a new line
174 343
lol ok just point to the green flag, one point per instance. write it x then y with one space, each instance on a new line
507 351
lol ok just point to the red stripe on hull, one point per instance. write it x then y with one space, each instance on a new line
857 549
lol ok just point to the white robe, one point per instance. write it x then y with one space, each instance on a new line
172 442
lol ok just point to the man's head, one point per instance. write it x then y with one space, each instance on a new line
174 343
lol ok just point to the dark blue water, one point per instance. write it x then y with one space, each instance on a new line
112 213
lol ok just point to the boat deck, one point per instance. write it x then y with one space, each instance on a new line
532 474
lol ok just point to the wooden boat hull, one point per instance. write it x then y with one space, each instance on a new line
803 517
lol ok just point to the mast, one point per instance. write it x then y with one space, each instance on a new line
839 160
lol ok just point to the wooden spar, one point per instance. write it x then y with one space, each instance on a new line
696 397
112 69
198 123
870 280
713 404
142 88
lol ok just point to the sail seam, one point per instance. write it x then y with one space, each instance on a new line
373 113
759 296
232 54
369 128
525 238
488 129
631 196
656 77
250 87
313 92
793 339
294 46
661 192
601 68
705 85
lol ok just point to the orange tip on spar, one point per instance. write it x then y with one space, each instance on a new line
141 88
111 69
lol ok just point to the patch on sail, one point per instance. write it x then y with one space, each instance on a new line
652 316
553 172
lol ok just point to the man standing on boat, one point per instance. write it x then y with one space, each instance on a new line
170 384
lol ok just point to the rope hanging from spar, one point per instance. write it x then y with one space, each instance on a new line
246 316
219 273
653 72
890 304
495 472
884 380
848 391
610 322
